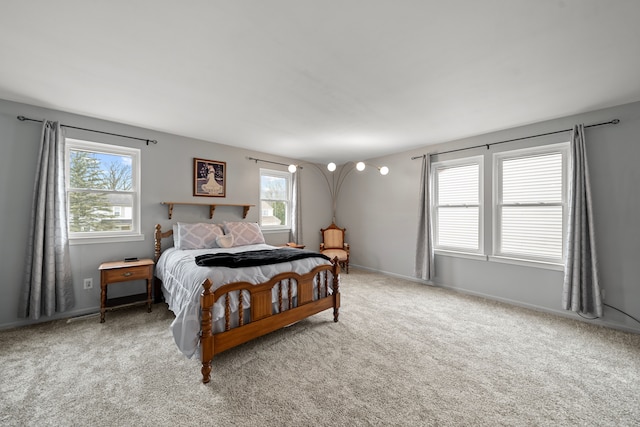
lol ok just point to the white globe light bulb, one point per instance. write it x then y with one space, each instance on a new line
384 170
360 166
293 168
331 166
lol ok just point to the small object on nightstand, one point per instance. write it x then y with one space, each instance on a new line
130 259
124 271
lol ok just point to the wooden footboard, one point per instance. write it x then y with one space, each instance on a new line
264 318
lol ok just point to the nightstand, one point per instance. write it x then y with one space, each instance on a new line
294 245
121 271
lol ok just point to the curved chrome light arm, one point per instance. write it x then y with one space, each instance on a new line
336 182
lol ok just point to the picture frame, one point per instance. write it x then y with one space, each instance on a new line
209 178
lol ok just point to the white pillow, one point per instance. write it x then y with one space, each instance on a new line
200 235
225 241
244 233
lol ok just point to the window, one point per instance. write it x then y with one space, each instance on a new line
531 203
103 191
457 202
275 199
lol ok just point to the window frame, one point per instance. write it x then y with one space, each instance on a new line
135 233
497 158
447 164
289 201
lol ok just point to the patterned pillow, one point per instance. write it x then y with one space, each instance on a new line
198 236
244 233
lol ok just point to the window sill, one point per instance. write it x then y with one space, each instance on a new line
468 255
527 263
108 239
501 259
270 230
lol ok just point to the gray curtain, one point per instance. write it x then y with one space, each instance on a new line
48 287
296 223
424 251
581 289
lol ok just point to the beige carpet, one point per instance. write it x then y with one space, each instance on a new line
402 354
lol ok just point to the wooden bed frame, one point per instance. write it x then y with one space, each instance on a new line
263 320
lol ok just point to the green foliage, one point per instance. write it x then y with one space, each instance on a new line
91 211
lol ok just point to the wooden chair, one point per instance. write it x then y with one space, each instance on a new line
333 245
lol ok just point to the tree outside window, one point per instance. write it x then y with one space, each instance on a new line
101 189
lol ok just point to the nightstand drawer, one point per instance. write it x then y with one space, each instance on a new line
126 274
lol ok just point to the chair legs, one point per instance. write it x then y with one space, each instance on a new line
345 265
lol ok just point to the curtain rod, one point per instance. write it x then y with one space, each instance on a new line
612 122
267 161
23 118
272 162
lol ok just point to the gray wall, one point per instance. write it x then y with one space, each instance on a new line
167 170
380 214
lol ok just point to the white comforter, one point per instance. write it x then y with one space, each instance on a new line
182 286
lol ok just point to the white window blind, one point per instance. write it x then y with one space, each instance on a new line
530 212
457 204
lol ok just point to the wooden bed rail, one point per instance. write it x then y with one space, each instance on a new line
264 319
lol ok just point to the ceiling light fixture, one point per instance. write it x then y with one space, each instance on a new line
337 179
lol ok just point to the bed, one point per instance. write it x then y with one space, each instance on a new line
219 307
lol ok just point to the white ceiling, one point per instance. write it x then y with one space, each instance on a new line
321 79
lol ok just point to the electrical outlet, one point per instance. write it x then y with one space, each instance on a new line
88 283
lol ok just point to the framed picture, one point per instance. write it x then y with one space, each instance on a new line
209 178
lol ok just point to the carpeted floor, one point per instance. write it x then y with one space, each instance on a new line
403 354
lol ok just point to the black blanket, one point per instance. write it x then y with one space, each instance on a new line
254 258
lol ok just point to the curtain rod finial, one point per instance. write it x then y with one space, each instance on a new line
22 118
615 121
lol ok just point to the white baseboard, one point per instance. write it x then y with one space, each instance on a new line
58 316
399 276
